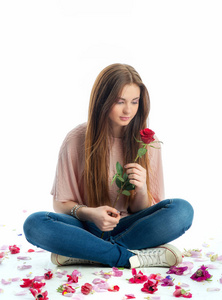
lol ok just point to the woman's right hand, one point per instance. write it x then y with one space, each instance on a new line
105 218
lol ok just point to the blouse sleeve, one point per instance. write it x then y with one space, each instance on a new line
156 180
68 182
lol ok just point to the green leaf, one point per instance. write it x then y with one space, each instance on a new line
126 193
114 178
125 176
130 187
142 151
121 178
119 169
118 183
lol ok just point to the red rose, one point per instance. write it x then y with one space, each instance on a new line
86 288
147 135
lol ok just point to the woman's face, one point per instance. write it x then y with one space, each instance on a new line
125 108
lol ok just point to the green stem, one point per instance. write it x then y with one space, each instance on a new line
144 146
117 198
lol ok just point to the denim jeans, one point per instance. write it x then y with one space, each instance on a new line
151 227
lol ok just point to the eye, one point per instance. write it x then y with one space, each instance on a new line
119 102
135 101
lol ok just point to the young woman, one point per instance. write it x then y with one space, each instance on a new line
85 227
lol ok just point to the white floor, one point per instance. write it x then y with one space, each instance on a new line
207 238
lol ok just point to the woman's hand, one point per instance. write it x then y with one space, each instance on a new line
105 218
137 176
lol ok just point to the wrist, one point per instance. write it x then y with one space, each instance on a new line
141 192
84 213
75 211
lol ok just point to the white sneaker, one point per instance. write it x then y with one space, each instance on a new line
162 256
61 260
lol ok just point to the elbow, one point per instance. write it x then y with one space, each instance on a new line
57 206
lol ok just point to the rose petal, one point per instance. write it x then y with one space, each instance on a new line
211 266
5 282
78 297
24 267
15 279
4 247
117 272
184 285
208 254
23 257
130 296
38 278
22 293
200 259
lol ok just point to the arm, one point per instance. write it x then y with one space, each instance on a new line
105 218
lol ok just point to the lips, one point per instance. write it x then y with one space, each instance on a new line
124 118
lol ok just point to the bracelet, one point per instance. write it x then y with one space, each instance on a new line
75 209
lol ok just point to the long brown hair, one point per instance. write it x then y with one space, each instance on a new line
106 89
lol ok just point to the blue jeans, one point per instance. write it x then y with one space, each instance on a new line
151 227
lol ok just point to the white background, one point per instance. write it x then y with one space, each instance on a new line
50 55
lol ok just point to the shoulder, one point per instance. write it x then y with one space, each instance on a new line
78 133
75 139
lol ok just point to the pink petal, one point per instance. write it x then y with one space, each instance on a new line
200 259
5 282
15 279
22 293
221 280
98 289
130 296
196 253
184 285
211 266
98 281
78 297
23 257
4 247
187 264
117 272
24 267
39 278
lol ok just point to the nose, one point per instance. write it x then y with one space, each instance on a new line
126 108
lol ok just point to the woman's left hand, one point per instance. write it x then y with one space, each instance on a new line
137 176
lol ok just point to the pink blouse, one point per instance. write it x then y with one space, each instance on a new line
69 181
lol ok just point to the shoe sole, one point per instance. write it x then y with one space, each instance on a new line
77 261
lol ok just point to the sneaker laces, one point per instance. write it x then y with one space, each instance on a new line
151 257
